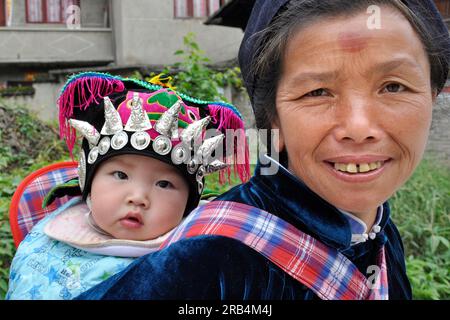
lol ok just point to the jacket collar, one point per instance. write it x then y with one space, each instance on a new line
323 221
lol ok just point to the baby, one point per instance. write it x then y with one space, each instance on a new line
141 170
149 197
134 202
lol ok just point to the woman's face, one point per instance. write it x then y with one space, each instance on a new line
354 108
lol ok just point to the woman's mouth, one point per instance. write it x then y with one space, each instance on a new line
358 167
358 172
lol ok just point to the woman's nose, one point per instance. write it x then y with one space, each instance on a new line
357 121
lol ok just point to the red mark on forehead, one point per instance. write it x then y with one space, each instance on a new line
352 41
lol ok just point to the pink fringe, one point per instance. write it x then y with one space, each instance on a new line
225 118
80 93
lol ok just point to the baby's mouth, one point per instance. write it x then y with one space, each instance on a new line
133 218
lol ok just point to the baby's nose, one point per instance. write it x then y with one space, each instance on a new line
139 198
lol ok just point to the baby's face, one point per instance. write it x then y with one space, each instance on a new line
137 197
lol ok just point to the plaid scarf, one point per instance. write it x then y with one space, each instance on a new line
324 270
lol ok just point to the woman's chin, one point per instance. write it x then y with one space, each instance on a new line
357 201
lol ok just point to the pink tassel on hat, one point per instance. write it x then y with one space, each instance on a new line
79 92
225 118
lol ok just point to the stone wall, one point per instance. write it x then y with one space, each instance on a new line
146 32
439 141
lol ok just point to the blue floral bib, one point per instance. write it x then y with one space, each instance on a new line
47 269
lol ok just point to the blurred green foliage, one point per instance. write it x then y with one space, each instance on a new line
26 144
421 211
194 76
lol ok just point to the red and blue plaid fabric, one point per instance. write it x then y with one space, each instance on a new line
322 269
26 207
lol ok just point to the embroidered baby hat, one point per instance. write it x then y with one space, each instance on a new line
116 115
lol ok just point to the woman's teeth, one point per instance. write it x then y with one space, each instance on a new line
358 167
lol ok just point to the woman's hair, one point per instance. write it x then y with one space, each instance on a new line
271 45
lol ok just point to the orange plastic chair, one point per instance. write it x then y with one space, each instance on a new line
26 204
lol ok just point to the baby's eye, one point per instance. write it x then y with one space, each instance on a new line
164 184
120 175
394 88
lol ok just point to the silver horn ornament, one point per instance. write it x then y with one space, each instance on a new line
194 131
215 166
87 130
207 148
113 122
138 120
167 124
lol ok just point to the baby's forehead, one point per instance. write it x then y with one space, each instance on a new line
133 161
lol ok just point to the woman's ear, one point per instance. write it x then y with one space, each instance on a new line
277 135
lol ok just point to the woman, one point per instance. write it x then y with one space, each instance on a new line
352 99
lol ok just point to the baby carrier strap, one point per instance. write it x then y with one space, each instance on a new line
26 208
324 270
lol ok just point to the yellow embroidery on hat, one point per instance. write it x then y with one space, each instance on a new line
162 80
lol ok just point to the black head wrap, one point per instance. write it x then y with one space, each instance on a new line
264 11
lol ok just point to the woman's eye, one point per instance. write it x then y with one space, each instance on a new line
120 175
394 87
316 93
164 184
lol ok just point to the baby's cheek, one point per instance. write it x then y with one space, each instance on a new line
101 208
